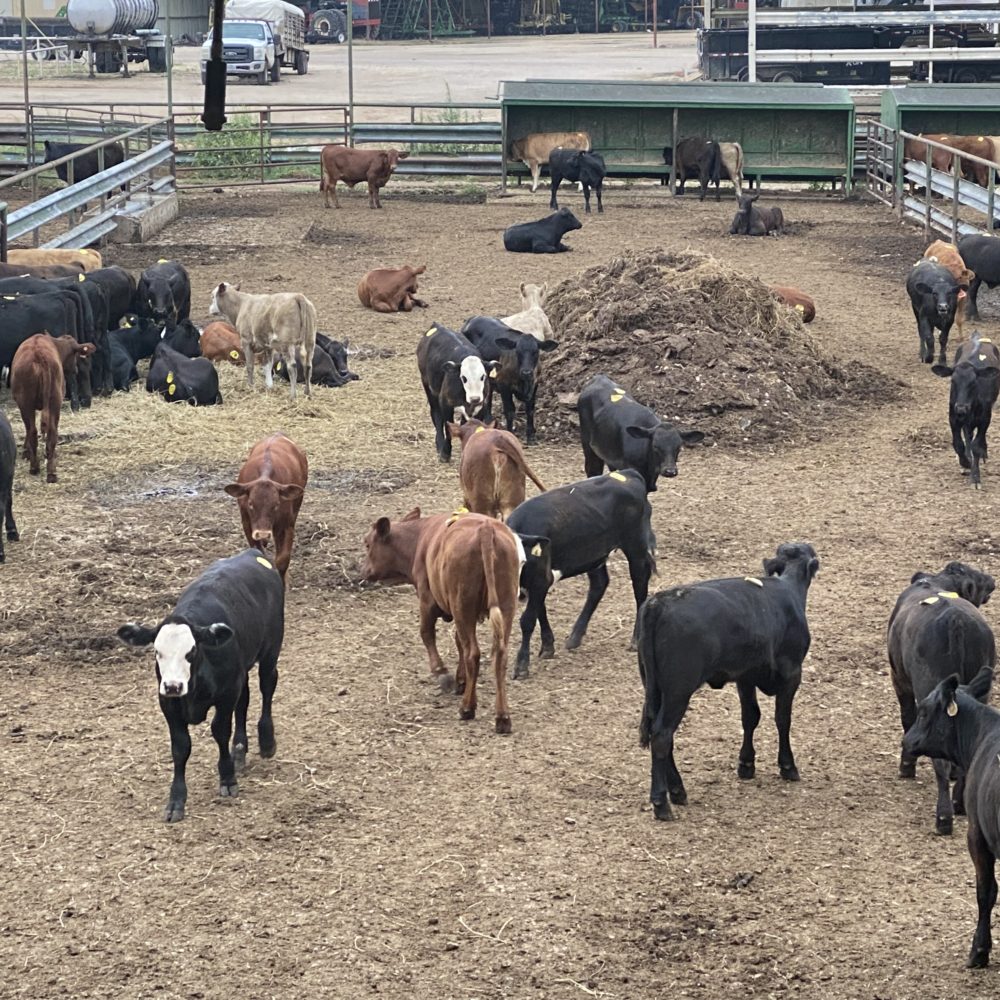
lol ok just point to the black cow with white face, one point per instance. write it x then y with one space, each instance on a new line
620 433
933 293
164 293
515 358
230 618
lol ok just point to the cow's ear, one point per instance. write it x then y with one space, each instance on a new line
217 634
346 342
521 288
454 430
506 344
639 432
236 490
945 371
290 491
548 345
221 290
236 287
949 686
413 515
382 527
449 366
692 437
492 425
918 576
137 635
979 686
775 567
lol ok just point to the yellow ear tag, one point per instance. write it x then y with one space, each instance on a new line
235 355
277 367
948 593
162 260
536 549
930 600
264 562
170 377
616 396
754 581
126 325
985 340
800 308
431 331
479 430
981 138
618 476
10 298
952 708
493 373
982 357
171 389
82 277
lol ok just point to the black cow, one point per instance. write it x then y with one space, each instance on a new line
975 383
572 530
337 349
164 292
933 293
177 378
699 158
138 336
586 168
8 459
119 288
543 236
23 316
96 331
454 380
744 629
981 254
123 370
329 365
83 166
514 357
620 433
935 630
230 618
953 724
752 221
185 338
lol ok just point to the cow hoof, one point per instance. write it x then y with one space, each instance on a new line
678 796
503 724
978 959
745 771
790 773
549 652
977 486
661 810
908 771
531 440
52 478
34 472
467 714
229 791
943 826
633 645
240 758
459 687
521 672
573 642
13 536
174 812
446 682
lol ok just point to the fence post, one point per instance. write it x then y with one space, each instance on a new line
954 204
3 232
991 201
260 127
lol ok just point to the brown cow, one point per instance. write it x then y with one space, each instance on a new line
269 490
533 150
493 468
89 260
221 342
465 567
799 301
341 163
981 146
941 159
391 289
41 271
947 255
40 369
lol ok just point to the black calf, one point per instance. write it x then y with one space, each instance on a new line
933 293
576 165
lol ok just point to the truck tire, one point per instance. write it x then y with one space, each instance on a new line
785 76
301 62
157 59
276 71
330 25
107 61
263 78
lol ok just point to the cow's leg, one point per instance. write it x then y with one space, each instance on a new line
957 440
429 614
249 356
598 191
52 438
750 714
73 384
977 452
269 363
556 181
958 791
640 568
907 716
180 750
926 333
240 741
536 172
972 309
783 699
12 533
593 464
548 647
267 670
465 635
333 188
222 730
665 778
586 199
541 246
30 440
509 409
984 862
460 670
529 416
501 647
372 195
537 590
293 375
598 584
943 341
307 367
944 813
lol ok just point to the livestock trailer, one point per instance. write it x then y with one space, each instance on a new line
788 131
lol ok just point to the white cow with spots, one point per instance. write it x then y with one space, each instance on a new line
283 325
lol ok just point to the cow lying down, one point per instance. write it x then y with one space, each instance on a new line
543 236
753 221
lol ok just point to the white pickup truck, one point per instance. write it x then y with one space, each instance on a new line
258 38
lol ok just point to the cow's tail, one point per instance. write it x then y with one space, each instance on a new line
715 168
487 548
739 159
514 455
307 324
958 662
652 708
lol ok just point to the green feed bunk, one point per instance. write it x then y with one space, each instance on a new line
788 131
951 108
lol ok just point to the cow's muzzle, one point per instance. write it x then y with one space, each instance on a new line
172 689
669 473
259 535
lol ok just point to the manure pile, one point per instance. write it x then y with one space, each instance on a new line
699 342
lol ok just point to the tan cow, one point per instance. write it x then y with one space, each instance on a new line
531 319
341 163
731 154
947 255
533 150
90 260
220 342
493 468
391 289
282 324
465 567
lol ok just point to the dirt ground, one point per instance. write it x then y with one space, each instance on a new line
390 849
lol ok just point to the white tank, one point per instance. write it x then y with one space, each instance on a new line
111 17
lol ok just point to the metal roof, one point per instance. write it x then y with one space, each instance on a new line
948 96
698 93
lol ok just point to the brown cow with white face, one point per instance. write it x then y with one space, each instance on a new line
269 490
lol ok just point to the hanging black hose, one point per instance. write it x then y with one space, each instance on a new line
214 115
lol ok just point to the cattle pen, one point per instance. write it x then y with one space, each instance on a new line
389 847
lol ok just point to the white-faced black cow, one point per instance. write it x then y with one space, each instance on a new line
230 618
572 530
177 378
952 724
981 254
515 357
8 460
975 384
933 293
164 292
578 166
744 629
543 236
935 630
454 380
620 433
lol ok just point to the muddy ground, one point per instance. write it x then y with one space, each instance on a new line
390 849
